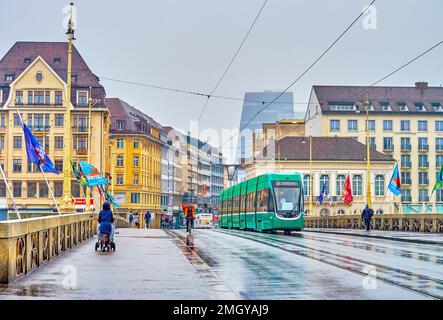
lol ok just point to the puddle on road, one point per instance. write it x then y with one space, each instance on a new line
33 290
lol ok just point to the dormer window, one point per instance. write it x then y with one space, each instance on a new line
437 107
420 107
9 77
402 106
120 125
74 78
385 106
82 98
371 108
27 60
341 106
56 60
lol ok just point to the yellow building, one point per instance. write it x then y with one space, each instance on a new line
404 122
135 158
33 81
333 159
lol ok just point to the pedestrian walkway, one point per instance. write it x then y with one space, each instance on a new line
418 237
147 264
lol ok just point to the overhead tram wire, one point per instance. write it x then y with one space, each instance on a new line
233 59
304 72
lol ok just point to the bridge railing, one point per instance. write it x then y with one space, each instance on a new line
432 223
28 243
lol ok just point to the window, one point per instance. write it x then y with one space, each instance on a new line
58 143
2 189
439 144
47 97
58 98
402 106
135 179
385 106
357 185
119 161
17 165
420 107
405 144
372 143
405 161
379 185
19 97
405 125
33 167
119 179
32 189
423 178
423 143
371 125
135 197
438 160
17 142
58 164
422 125
120 143
387 144
439 195
324 180
56 60
387 125
306 184
36 97
43 190
16 120
120 125
27 60
59 120
341 106
9 77
75 189
135 144
439 126
406 178
339 182
423 161
2 142
406 195
135 161
3 120
334 125
436 106
352 125
17 188
82 98
58 189
423 195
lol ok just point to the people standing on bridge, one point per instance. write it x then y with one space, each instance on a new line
147 219
366 215
131 217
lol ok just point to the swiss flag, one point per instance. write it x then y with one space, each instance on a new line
347 191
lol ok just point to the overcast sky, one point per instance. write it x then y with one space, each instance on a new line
188 44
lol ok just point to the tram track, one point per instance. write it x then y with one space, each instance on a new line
425 285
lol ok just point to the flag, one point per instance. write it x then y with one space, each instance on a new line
93 177
78 175
347 191
394 183
439 183
320 198
110 198
36 154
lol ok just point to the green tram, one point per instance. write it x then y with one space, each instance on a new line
265 203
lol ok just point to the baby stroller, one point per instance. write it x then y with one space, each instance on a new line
105 242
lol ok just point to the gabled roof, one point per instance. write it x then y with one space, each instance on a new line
323 148
377 95
56 56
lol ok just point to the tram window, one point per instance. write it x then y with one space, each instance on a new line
270 202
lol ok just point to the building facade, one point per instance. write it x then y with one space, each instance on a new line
136 151
333 159
33 82
404 122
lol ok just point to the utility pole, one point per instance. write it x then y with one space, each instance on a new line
368 157
310 175
88 190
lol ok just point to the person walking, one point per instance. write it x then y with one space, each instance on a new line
136 220
131 218
366 215
147 219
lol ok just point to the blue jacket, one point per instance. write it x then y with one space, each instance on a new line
367 213
105 216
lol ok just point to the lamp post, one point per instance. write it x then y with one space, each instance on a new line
368 157
310 173
66 200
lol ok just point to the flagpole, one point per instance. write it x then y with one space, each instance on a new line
50 190
10 193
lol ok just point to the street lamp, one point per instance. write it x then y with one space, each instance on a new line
66 200
310 174
368 155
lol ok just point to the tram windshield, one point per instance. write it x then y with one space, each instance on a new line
287 199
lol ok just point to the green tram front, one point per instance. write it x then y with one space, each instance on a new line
267 202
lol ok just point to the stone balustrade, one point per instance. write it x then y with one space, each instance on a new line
432 223
28 243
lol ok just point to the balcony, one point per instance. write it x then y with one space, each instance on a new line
388 148
39 128
423 182
406 165
80 129
406 148
424 199
423 148
406 182
423 165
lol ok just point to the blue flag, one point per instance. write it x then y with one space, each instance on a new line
394 183
36 154
320 198
93 177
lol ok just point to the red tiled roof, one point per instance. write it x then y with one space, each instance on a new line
323 148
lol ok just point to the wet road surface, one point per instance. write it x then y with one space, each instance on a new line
311 265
